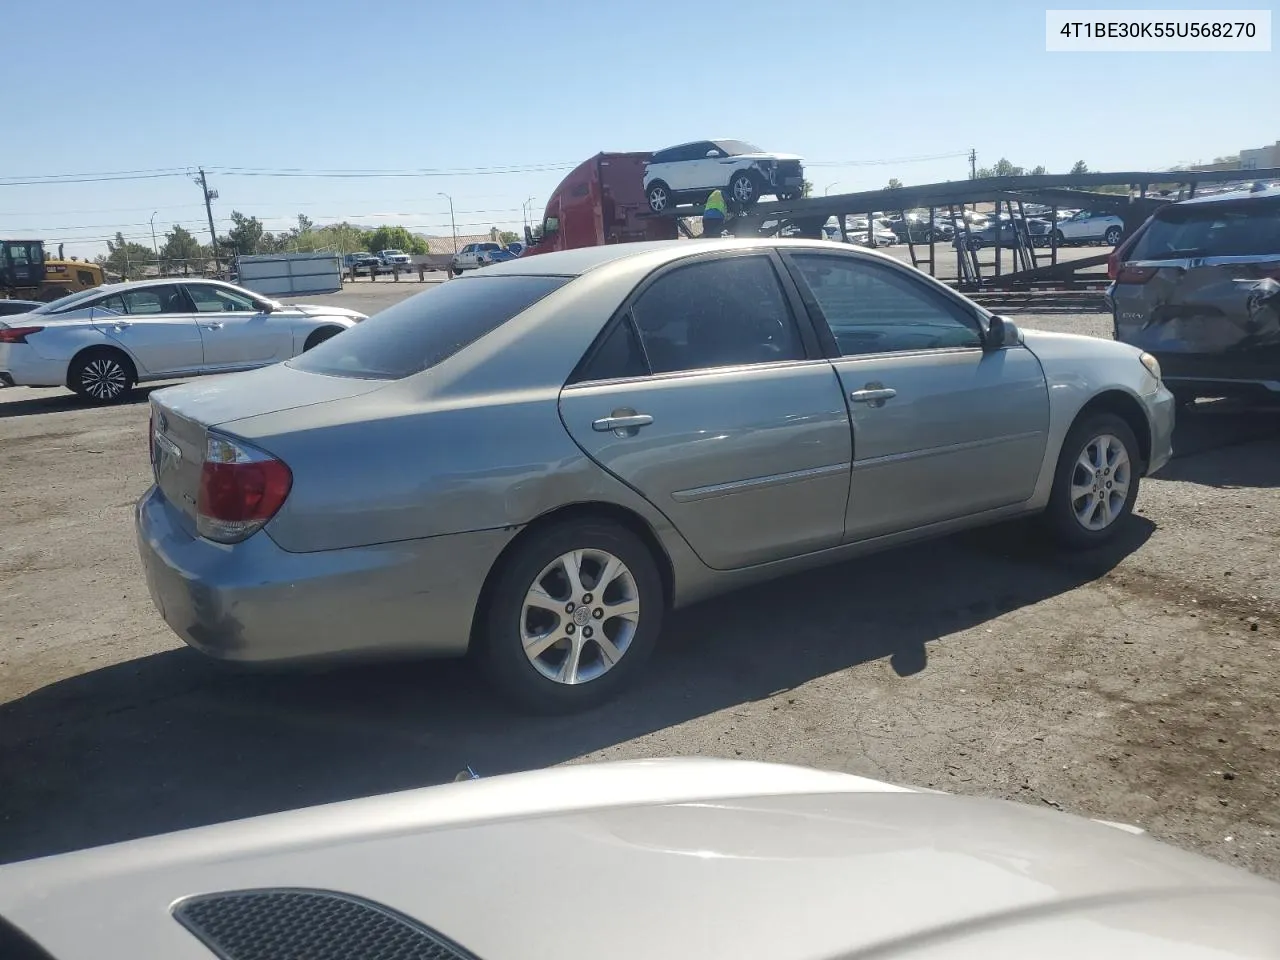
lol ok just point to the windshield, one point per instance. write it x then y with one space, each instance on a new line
393 253
736 148
426 329
70 301
1211 230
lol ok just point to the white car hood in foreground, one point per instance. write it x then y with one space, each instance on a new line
713 860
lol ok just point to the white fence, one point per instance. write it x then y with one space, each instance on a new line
291 274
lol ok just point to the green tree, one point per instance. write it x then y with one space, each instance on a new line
248 236
1079 167
508 236
1038 171
894 183
179 250
806 188
127 259
390 238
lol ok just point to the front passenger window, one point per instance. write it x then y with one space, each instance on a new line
718 313
872 308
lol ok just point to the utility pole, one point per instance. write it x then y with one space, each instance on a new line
973 164
209 197
153 237
452 222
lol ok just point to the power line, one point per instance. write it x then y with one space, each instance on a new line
138 176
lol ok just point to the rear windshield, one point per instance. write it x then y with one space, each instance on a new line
422 331
1211 230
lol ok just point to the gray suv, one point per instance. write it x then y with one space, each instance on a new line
1198 286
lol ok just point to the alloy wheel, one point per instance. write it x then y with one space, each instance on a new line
1100 482
104 378
579 616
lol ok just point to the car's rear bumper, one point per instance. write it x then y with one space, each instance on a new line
21 366
254 601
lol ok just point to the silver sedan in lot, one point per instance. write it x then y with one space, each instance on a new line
101 342
735 860
535 462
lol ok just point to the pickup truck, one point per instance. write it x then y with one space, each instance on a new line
394 258
473 256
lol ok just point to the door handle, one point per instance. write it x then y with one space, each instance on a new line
119 325
873 395
212 326
626 422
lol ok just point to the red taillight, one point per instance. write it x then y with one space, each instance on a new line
1113 265
17 334
241 488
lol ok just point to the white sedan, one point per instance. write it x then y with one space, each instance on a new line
101 342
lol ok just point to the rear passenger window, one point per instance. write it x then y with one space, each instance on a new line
1211 230
724 312
619 356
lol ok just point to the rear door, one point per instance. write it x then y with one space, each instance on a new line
711 400
157 328
235 331
941 428
1200 289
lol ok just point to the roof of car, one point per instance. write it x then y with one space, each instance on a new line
155 282
574 263
1256 192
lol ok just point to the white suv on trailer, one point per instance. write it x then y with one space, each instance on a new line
688 173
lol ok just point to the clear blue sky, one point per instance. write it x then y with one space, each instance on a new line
332 85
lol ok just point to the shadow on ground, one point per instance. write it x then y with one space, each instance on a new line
174 740
64 401
1227 443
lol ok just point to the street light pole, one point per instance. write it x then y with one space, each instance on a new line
527 205
153 235
827 191
452 221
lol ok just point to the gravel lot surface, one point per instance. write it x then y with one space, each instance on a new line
1136 685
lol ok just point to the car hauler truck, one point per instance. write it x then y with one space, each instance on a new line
601 201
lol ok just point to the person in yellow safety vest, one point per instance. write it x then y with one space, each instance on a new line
713 215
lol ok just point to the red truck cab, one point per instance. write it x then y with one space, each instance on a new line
601 201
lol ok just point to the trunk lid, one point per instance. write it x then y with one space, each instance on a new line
181 417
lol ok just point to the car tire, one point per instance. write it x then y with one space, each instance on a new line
659 196
1059 238
744 190
532 600
101 375
1112 236
1099 455
318 337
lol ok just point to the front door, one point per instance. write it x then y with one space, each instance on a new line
706 399
941 428
156 325
235 331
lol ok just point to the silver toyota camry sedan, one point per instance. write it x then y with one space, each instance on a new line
536 462
101 342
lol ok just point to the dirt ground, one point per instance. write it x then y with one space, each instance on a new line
1136 685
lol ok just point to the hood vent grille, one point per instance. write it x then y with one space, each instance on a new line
286 924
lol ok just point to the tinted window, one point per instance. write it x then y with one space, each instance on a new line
1211 230
114 303
662 156
217 300
152 300
876 309
618 356
736 148
425 329
718 313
